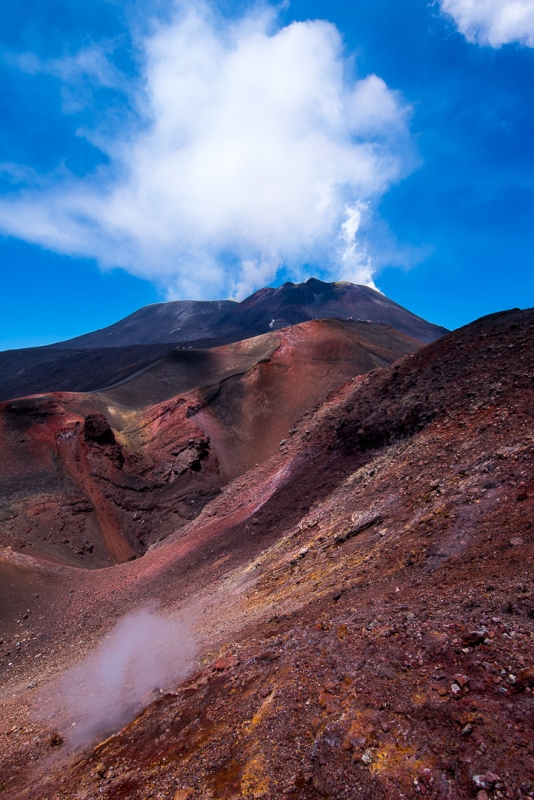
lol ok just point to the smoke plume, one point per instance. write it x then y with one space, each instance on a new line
143 653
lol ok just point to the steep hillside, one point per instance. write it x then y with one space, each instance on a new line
94 479
362 607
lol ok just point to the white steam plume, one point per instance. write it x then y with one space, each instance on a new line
255 147
143 652
493 22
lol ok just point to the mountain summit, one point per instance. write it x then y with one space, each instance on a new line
217 322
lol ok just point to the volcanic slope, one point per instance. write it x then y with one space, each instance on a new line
94 479
189 321
363 606
35 370
104 357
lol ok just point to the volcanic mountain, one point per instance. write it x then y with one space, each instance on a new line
361 602
101 358
221 322
89 479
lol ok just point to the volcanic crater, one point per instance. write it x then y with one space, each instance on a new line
344 521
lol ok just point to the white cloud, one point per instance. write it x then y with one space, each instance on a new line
91 62
255 150
493 22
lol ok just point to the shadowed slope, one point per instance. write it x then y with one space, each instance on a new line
176 321
36 370
363 602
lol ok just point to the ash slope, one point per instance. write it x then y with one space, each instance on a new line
35 370
363 601
209 324
89 480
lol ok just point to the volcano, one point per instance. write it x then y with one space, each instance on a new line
101 358
222 322
341 517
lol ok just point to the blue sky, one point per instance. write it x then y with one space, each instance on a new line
155 150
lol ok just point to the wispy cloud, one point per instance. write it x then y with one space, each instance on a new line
493 22
79 74
254 147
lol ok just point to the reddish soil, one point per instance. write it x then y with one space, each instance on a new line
182 427
363 604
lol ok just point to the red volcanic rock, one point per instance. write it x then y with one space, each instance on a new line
524 679
517 541
95 479
435 642
223 664
359 640
474 638
461 680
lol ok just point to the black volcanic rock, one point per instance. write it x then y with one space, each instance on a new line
177 321
271 309
208 324
35 370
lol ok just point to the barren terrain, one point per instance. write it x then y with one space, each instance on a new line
92 479
104 357
361 601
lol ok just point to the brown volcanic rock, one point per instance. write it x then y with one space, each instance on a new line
78 492
96 428
248 416
387 663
